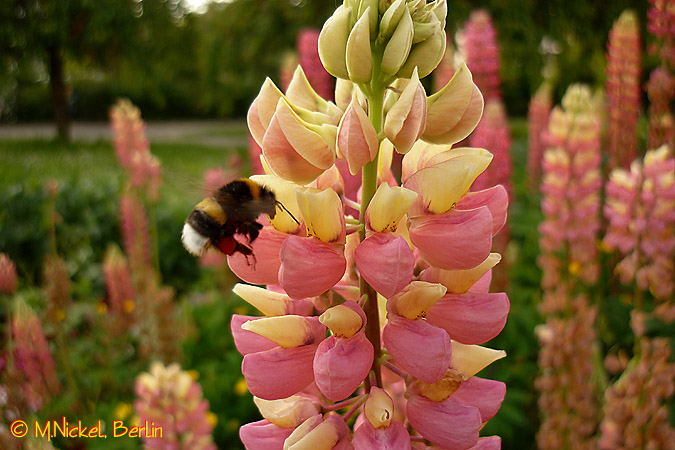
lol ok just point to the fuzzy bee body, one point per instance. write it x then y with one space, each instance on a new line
233 209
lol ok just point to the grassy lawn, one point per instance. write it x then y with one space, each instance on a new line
33 161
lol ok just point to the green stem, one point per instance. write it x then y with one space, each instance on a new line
368 188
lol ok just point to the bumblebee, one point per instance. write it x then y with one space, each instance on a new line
233 209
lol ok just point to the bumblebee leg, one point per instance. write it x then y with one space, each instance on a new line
250 229
246 251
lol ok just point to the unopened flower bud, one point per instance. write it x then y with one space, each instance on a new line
379 408
398 48
358 57
333 42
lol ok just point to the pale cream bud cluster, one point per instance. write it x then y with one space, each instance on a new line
383 39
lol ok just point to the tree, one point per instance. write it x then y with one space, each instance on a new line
51 31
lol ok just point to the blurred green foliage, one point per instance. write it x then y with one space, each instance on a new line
172 63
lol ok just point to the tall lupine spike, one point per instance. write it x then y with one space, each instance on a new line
120 289
642 391
571 183
567 404
135 235
623 90
341 252
661 85
57 288
493 133
308 57
482 53
168 399
537 121
133 149
32 357
639 208
7 274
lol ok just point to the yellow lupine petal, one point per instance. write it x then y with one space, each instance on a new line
459 281
323 437
287 413
418 156
388 206
417 298
322 212
284 191
471 359
288 331
267 302
342 321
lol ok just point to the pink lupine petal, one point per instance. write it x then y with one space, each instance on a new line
247 341
486 395
356 138
266 251
418 347
482 286
393 437
341 364
279 372
263 435
454 240
262 110
471 318
309 267
495 198
488 443
447 424
386 262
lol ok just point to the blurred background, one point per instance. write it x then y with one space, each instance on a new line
94 240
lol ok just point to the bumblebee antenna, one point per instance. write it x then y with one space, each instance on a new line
285 209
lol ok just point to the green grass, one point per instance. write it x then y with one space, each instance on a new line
34 161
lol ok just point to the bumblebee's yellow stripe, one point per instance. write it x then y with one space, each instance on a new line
253 186
212 209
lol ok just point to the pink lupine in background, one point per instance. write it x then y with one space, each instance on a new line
636 412
567 402
308 59
31 358
57 288
159 327
570 186
7 274
135 234
120 289
424 247
661 92
482 53
537 121
661 85
493 133
623 90
170 399
640 209
446 68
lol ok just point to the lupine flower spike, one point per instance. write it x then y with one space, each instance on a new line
570 185
171 408
406 374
